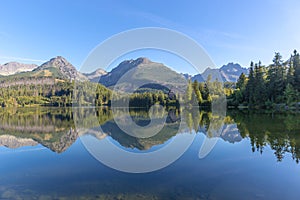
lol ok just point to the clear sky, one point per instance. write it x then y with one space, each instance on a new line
229 30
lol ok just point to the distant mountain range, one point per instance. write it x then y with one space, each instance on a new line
15 67
231 71
56 69
138 71
94 76
227 73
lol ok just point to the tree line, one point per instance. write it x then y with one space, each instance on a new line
64 93
60 94
268 86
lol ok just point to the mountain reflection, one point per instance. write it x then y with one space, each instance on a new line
57 129
53 128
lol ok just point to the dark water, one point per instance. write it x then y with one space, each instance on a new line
43 157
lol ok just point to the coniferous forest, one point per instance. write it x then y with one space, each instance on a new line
269 86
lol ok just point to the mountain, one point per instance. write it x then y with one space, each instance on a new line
186 76
138 71
56 69
232 71
214 73
198 78
15 67
94 76
132 73
111 78
227 73
59 67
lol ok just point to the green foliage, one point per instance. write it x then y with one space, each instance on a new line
278 131
203 94
290 94
61 93
267 86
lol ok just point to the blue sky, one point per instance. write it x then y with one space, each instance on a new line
230 31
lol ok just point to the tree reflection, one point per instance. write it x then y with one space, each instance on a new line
279 131
57 128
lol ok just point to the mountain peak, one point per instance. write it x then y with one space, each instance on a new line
141 70
136 62
11 68
58 61
232 71
95 75
66 69
143 60
121 69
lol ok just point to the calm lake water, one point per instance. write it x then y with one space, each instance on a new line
43 157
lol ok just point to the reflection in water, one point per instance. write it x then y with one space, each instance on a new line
53 128
281 132
56 130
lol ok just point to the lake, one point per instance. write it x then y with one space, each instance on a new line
52 153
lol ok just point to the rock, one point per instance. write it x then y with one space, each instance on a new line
15 67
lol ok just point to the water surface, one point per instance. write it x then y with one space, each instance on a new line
42 156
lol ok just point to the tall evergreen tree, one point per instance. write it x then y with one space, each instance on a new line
291 72
249 92
296 66
275 79
241 82
260 88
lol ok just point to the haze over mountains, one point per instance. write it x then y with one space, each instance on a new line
141 69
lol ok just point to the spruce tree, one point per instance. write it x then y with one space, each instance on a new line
249 92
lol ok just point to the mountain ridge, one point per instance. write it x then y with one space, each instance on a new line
11 68
131 74
65 68
59 67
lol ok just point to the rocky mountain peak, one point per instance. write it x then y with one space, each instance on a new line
232 71
15 67
57 62
143 60
100 71
231 67
136 62
94 76
64 67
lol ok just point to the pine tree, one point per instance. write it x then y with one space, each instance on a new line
241 82
275 79
249 92
296 66
259 89
291 72
289 94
